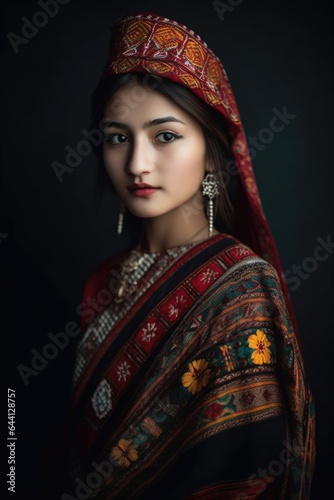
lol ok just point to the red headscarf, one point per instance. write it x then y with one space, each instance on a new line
149 43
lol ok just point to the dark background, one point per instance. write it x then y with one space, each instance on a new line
53 234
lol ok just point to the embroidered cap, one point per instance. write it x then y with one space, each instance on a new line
157 45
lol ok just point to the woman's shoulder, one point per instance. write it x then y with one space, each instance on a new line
240 256
244 271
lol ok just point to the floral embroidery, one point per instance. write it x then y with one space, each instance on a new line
123 371
213 411
242 251
124 453
209 275
197 377
172 309
101 400
260 345
149 332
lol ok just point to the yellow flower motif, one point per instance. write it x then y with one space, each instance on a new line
197 377
260 343
124 453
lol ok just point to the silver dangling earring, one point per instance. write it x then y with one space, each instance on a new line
210 188
120 217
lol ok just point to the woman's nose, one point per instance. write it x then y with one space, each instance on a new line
140 160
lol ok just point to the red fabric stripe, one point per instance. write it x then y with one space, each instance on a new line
249 489
99 281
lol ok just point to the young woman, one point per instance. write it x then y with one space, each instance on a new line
189 383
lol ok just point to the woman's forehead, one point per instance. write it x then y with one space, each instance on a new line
135 102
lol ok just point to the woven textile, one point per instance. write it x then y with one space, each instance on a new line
203 368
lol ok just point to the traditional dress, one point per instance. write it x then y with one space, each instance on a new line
189 382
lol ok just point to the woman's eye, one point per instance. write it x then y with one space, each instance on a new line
116 139
167 137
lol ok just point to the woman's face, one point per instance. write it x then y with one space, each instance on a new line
154 152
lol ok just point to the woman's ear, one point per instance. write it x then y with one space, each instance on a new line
208 168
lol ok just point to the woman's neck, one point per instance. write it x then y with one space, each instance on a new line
174 229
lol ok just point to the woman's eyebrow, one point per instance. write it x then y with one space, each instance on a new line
159 121
111 123
151 123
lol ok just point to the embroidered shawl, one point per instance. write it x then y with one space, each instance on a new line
194 386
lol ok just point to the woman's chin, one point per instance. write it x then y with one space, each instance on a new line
144 212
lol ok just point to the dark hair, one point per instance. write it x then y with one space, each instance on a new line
213 125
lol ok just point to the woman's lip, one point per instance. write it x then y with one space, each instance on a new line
143 192
142 185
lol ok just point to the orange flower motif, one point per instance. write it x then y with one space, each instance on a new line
124 453
197 377
260 343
